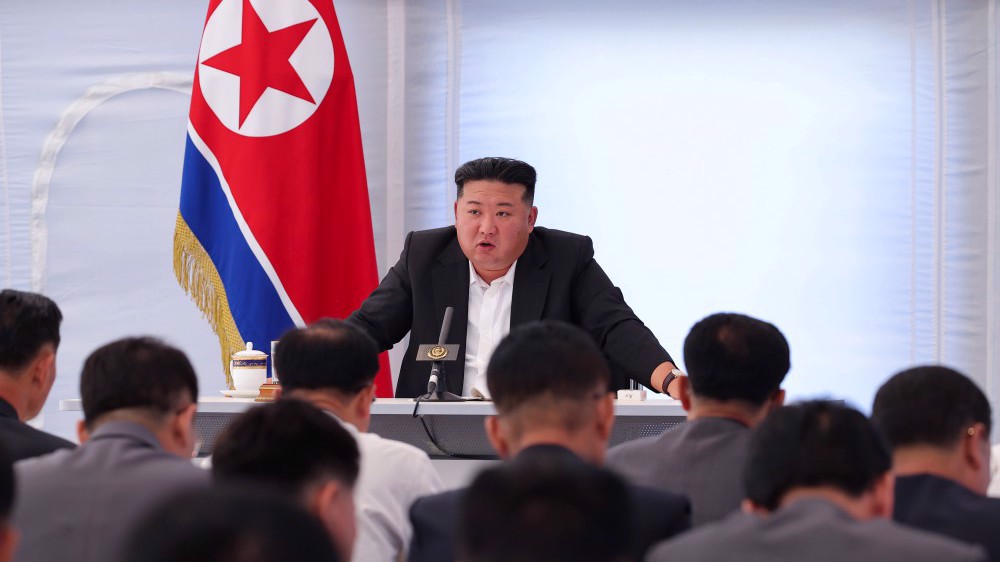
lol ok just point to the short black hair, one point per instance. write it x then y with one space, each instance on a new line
545 359
735 357
929 405
817 443
329 354
136 373
546 511
229 525
289 444
27 322
497 168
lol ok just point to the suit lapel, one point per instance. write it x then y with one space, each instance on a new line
450 279
531 285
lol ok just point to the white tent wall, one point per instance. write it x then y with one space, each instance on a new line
112 200
817 164
828 166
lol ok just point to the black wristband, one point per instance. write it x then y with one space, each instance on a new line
673 374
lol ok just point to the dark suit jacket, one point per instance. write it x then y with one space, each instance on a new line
557 278
702 459
942 506
22 441
658 515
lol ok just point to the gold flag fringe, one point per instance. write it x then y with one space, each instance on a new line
199 278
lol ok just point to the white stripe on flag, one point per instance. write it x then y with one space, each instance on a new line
245 229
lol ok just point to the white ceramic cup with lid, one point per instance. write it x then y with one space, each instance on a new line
248 368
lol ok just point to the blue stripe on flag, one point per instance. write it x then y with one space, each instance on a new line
257 310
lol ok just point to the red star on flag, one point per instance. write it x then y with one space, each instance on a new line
261 60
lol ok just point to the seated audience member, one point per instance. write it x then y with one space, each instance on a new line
332 365
229 525
938 424
819 487
546 510
549 385
137 436
295 448
735 367
29 339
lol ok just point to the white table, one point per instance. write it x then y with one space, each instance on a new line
455 429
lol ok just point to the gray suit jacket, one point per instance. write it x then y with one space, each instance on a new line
81 504
813 530
701 459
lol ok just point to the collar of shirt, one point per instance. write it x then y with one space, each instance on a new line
131 430
350 427
7 411
475 279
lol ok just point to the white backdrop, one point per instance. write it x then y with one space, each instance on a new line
828 166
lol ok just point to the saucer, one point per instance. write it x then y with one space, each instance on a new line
240 393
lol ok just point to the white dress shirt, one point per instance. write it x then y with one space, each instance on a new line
489 322
393 475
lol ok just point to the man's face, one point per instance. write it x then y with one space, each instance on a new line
493 224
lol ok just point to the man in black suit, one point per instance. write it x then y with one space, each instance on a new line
549 383
938 423
29 338
551 508
736 364
498 270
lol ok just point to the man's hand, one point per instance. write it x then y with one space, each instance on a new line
674 388
660 374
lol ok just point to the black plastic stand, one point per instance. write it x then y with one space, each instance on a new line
440 394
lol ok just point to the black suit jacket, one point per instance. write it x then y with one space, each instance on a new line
946 507
658 515
23 441
557 278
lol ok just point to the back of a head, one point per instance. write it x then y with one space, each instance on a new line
735 357
813 444
27 322
497 168
229 525
551 364
328 355
142 374
929 406
546 510
289 444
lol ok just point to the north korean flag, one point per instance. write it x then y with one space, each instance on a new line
274 228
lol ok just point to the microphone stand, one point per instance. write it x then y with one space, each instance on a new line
437 385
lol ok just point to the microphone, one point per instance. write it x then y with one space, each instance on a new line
432 382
